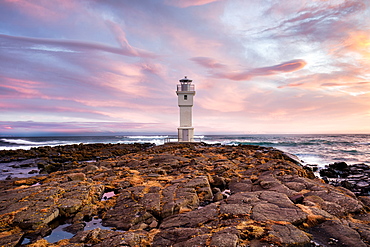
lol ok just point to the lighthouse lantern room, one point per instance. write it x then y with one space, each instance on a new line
185 93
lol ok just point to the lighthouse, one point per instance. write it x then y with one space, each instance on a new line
185 93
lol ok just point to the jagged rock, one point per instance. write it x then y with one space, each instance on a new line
127 213
202 187
152 203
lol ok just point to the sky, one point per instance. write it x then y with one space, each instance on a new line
259 67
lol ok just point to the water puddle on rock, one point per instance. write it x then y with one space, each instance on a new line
18 169
67 231
95 223
59 234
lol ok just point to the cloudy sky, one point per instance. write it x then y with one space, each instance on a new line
107 66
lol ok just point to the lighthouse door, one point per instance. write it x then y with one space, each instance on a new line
185 135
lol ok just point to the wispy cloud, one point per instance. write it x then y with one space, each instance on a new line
188 3
285 67
73 46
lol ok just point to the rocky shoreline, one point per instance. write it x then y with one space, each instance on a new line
175 194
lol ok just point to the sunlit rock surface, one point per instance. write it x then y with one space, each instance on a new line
184 195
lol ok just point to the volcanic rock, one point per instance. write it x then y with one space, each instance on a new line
185 194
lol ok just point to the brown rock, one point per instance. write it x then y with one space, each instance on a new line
288 235
11 238
218 197
179 237
69 206
191 219
235 209
268 205
76 177
35 216
332 232
224 240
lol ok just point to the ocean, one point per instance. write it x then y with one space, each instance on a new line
311 149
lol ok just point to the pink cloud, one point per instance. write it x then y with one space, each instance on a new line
189 3
46 10
333 84
285 67
26 88
208 62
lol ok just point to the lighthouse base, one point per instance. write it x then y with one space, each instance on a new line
185 134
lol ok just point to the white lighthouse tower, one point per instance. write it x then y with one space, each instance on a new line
185 93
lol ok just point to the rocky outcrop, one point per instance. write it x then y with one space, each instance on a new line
353 177
187 195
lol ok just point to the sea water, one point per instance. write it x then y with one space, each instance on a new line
311 149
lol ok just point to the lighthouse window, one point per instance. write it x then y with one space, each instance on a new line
185 97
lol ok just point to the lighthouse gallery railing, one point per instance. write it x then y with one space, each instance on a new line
185 87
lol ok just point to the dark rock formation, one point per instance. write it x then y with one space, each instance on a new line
186 195
354 177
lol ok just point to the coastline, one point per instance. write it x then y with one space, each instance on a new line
317 149
144 194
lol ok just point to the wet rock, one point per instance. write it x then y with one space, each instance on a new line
74 228
332 232
354 177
